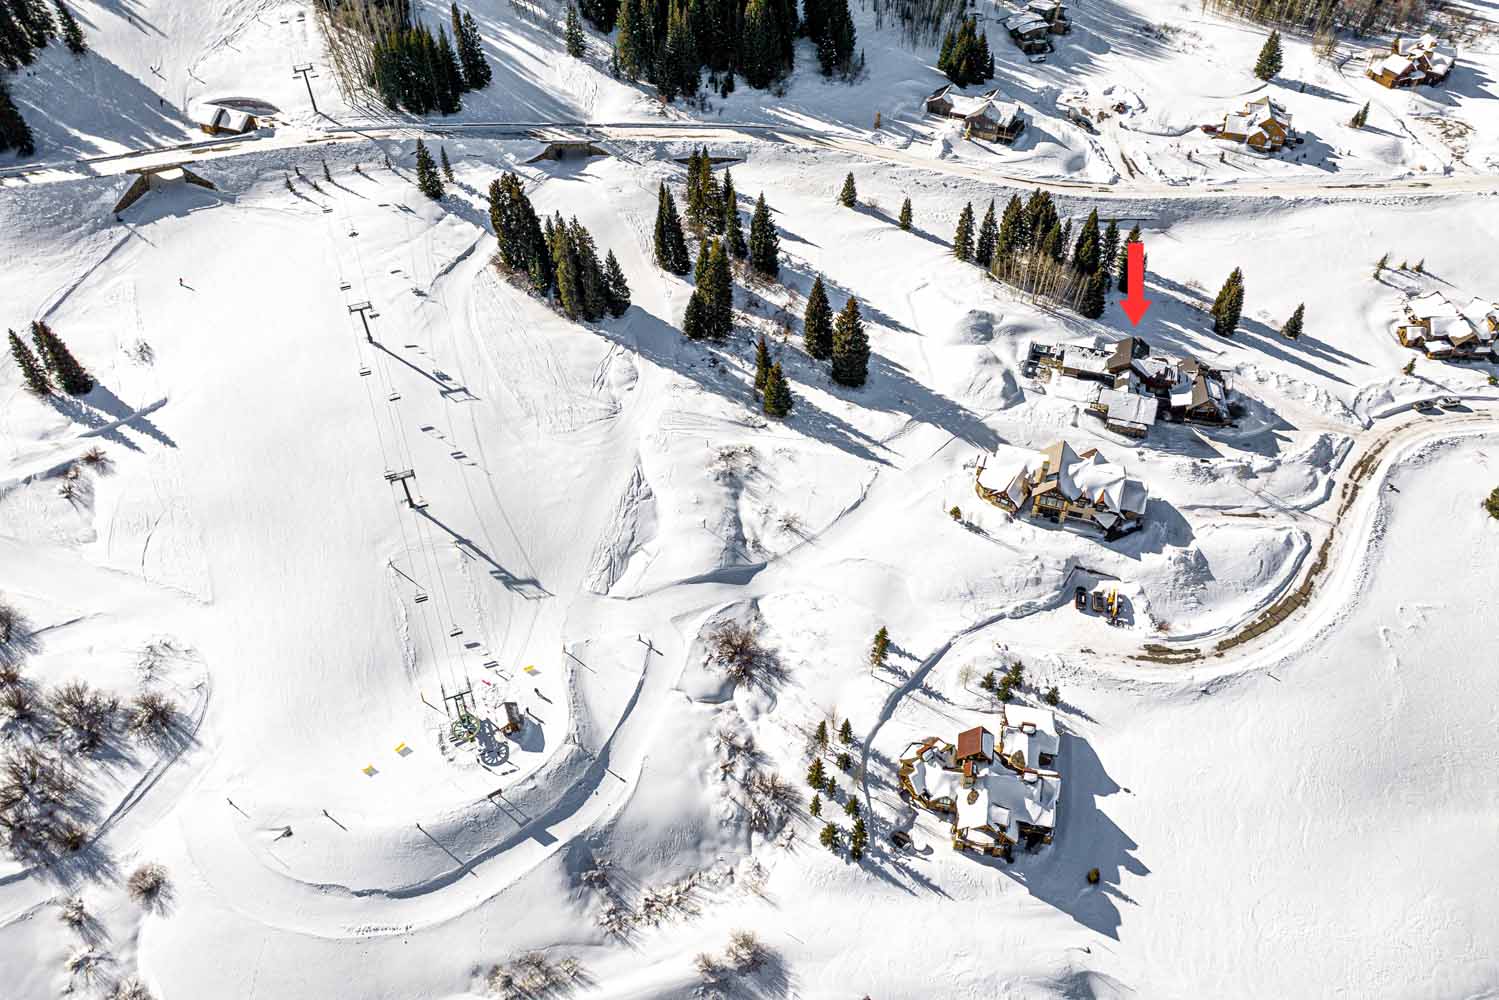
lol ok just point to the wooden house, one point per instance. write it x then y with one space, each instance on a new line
984 116
215 119
1053 12
1262 125
1059 485
1030 32
1422 62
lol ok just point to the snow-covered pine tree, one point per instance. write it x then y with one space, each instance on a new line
427 178
718 286
695 319
962 241
1228 304
1292 329
70 375
618 287
670 244
777 403
905 215
733 232
879 650
1269 62
573 33
764 243
850 347
846 732
762 363
442 157
817 322
988 239
848 195
33 371
72 34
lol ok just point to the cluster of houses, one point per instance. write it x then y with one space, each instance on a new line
1440 330
1080 490
1131 388
985 116
1032 26
1262 125
997 791
1407 63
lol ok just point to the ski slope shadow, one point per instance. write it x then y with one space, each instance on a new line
528 587
105 415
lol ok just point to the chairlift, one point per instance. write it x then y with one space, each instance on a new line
364 369
454 632
394 396
421 596
343 286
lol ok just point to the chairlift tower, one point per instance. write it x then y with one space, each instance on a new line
405 478
306 72
366 313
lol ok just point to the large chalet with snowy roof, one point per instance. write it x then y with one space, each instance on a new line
998 790
1059 484
1411 63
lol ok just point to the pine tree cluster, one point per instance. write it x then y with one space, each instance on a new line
710 311
25 27
965 57
573 33
1269 62
670 244
413 69
668 42
831 29
427 178
50 364
557 259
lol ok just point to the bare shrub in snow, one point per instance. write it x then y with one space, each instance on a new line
74 913
677 898
616 919
89 714
67 835
10 619
772 801
708 966
745 952
153 716
95 458
736 649
148 885
533 976
18 704
87 965
130 989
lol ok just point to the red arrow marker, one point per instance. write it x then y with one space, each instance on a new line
1135 304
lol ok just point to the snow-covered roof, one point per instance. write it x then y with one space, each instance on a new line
1396 66
1453 328
1481 313
1126 407
1032 731
1437 344
1430 306
1086 359
1024 23
1100 480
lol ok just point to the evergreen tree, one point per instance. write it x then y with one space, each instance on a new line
962 241
705 209
72 34
476 73
442 157
33 372
848 195
634 43
1360 117
14 132
815 808
760 53
880 650
777 394
983 250
695 319
905 215
858 839
427 178
820 734
717 285
618 290
850 347
1110 252
1123 264
1269 62
733 232
965 56
762 363
602 14
817 322
1292 329
764 243
829 836
1086 252
851 807
1059 250
815 775
573 33
592 284
69 374
671 245
1229 304
1093 300
846 732
566 266
449 78
1010 240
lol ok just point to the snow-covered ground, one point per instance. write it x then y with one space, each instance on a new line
1307 814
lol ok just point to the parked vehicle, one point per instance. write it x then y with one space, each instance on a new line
1080 598
1100 602
1449 402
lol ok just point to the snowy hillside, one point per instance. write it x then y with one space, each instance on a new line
1276 759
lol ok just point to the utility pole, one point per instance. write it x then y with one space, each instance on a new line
366 312
306 72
